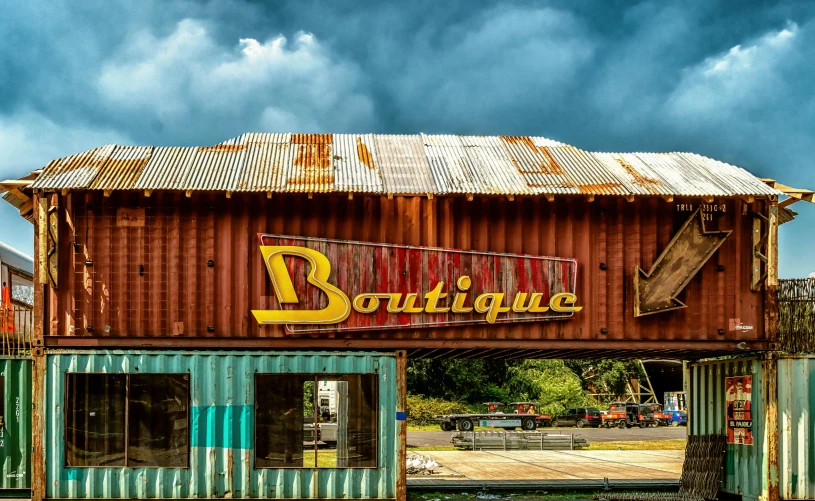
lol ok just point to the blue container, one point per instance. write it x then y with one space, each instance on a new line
221 426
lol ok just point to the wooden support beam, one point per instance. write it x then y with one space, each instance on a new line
469 197
147 193
268 195
550 197
708 200
749 199
310 195
106 193
228 194
350 195
629 198
19 194
511 197
65 192
188 193
590 198
772 248
27 206
668 198
390 196
430 196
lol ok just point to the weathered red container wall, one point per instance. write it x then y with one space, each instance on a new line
190 269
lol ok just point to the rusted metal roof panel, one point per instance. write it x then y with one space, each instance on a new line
536 164
265 160
493 165
216 167
123 168
732 179
403 164
75 171
356 164
309 164
167 168
452 170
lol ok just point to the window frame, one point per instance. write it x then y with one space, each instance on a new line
315 377
126 418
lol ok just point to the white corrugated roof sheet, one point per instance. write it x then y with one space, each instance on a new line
418 164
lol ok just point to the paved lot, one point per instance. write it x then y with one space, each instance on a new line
560 466
437 438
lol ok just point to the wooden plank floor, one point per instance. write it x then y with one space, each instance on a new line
559 465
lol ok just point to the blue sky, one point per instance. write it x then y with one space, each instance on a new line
724 79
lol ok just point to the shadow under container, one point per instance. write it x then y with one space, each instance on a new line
184 424
747 468
15 432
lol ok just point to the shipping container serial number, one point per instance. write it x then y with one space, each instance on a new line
708 210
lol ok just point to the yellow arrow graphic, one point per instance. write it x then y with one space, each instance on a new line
687 252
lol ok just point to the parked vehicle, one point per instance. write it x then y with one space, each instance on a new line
544 420
624 415
649 415
579 417
494 417
676 418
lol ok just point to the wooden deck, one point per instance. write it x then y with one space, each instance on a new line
537 469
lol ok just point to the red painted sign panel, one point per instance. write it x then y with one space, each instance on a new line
380 286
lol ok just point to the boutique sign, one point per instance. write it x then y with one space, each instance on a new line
335 285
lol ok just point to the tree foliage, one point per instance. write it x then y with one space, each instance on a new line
555 384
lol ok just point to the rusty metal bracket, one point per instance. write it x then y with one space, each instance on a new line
683 257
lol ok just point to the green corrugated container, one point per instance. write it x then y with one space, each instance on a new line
15 434
221 428
746 466
708 415
796 425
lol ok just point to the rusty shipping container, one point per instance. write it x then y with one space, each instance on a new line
175 271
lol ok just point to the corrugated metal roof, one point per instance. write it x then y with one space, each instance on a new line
398 164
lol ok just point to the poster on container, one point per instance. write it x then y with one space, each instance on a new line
739 396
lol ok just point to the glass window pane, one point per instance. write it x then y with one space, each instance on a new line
279 409
354 423
158 420
95 419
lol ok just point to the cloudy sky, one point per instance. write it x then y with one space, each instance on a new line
726 80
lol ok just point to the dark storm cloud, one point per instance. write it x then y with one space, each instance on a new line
721 79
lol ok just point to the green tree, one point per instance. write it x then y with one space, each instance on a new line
549 382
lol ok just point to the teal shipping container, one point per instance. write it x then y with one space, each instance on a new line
15 431
718 392
184 424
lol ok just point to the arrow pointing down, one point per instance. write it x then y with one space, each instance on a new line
687 252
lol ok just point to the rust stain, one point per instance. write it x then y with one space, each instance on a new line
639 179
548 166
223 148
364 155
312 138
314 159
553 167
597 188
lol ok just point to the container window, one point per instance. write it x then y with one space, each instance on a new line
289 413
95 419
132 420
158 420
279 411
